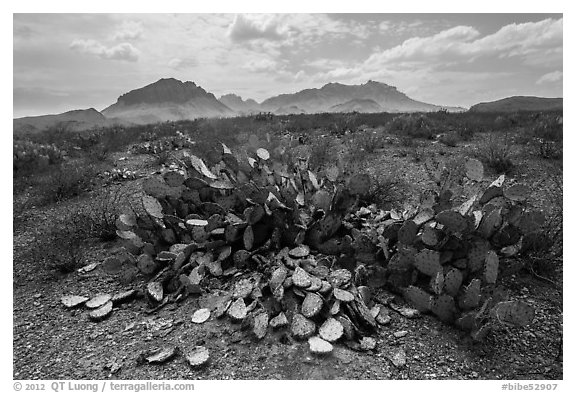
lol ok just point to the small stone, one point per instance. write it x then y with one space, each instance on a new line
319 346
367 343
398 358
400 334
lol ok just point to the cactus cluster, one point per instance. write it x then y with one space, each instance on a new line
151 145
28 155
299 250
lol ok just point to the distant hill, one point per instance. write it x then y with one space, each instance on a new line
167 100
357 105
333 94
76 120
519 103
237 104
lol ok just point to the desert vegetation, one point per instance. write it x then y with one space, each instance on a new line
318 226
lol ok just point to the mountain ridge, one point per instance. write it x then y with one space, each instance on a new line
519 103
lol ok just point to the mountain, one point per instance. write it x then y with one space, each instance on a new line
167 100
334 94
237 104
519 103
357 105
77 120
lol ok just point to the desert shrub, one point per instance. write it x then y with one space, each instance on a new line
368 141
413 126
496 153
451 139
59 248
547 136
386 191
66 182
31 157
323 152
465 133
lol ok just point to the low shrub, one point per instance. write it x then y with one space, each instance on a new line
496 153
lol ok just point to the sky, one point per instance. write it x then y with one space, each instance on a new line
76 61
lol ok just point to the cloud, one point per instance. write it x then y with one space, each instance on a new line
124 51
129 30
261 65
462 43
245 28
555 76
178 63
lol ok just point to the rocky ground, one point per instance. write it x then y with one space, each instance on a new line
52 342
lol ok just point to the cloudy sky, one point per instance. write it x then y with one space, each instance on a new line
73 61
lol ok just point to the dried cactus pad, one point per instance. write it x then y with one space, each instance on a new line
474 169
152 206
198 356
516 313
331 330
319 346
71 301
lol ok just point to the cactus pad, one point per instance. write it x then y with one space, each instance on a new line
428 262
152 206
474 170
359 185
419 298
471 296
515 313
407 233
444 308
452 281
437 283
452 220
173 179
491 267
517 192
